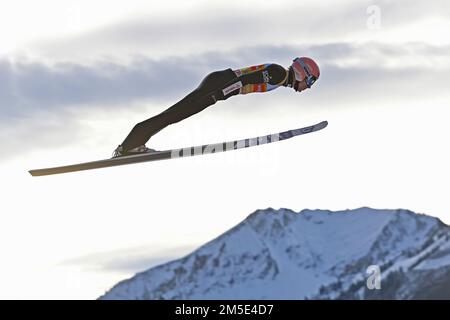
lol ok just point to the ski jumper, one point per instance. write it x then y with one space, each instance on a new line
218 85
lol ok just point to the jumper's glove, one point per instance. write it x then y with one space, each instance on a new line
290 81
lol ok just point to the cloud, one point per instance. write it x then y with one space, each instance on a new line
204 29
129 260
41 102
215 27
33 87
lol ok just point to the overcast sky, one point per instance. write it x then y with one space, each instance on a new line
75 78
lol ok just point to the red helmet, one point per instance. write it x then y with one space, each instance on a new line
306 69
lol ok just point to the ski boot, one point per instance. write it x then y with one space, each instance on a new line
119 152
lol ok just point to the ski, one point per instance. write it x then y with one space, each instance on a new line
179 153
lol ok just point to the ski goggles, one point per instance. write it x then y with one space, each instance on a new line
310 79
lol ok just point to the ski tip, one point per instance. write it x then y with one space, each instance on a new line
321 125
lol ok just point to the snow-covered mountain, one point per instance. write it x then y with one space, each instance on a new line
312 254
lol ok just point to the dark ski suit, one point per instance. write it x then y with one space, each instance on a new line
218 85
